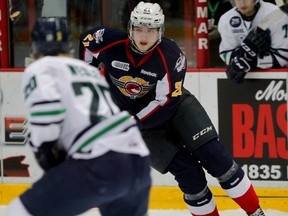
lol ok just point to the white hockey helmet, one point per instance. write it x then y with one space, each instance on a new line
149 15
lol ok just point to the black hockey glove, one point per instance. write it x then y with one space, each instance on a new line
48 155
237 69
256 43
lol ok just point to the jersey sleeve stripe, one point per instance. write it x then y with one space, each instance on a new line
108 46
113 125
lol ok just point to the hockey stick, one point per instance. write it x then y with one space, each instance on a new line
279 3
274 16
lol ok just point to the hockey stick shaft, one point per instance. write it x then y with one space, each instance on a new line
273 17
279 3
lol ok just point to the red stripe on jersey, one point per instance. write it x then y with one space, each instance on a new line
167 72
108 46
130 57
169 84
150 113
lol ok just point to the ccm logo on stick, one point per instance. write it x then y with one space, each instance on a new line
202 132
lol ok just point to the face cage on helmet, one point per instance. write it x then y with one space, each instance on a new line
134 46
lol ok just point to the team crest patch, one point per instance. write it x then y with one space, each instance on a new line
235 21
180 63
98 36
132 87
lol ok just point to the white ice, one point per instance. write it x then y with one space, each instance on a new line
238 212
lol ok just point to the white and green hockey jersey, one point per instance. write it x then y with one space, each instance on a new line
233 29
70 102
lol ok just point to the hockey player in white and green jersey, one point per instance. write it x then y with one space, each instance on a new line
245 47
92 154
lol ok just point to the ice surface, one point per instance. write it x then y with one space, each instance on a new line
238 212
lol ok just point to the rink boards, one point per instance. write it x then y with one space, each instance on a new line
251 120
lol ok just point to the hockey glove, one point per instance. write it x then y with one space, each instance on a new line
256 43
16 9
237 69
48 155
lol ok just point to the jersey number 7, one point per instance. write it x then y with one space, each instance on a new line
99 94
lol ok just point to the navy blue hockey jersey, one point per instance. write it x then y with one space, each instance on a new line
148 86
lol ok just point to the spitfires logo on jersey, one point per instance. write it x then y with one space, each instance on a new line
98 35
235 21
132 87
180 63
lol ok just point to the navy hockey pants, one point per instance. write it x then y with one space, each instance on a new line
187 145
117 183
190 127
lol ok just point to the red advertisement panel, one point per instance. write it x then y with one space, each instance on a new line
253 126
202 33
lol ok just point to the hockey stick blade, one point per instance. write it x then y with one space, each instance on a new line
273 17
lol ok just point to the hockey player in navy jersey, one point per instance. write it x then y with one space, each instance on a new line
92 154
244 46
146 73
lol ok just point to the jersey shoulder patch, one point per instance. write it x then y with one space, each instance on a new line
100 36
173 54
